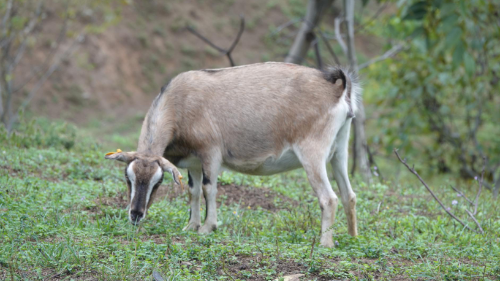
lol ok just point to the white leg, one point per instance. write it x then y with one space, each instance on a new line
315 167
339 164
209 185
195 178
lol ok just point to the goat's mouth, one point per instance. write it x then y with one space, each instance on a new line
135 222
135 217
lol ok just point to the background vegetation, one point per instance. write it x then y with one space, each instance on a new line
62 206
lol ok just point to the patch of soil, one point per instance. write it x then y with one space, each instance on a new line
253 197
245 196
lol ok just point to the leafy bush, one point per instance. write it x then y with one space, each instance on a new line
439 94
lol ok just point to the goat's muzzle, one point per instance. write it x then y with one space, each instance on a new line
136 217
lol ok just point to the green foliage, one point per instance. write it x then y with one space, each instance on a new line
440 96
40 133
58 215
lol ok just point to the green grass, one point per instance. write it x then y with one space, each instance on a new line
58 219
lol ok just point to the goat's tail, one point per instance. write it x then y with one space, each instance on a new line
350 82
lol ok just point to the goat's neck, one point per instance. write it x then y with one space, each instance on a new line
156 132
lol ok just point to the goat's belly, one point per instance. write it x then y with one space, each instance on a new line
269 166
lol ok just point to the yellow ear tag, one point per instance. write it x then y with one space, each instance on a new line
180 181
117 151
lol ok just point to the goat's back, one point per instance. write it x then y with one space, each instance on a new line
259 107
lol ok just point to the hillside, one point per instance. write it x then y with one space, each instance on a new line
117 73
110 81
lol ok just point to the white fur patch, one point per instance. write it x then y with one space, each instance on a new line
154 180
131 177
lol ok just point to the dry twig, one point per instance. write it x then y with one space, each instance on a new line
462 195
221 50
480 186
338 35
390 53
329 47
412 170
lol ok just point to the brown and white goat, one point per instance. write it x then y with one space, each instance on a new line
257 119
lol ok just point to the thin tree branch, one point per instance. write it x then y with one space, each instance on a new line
45 65
412 170
221 50
204 39
329 47
462 195
472 174
338 35
6 18
286 24
390 53
497 188
474 219
377 13
26 31
315 46
480 187
315 11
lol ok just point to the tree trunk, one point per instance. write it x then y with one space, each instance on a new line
360 144
315 11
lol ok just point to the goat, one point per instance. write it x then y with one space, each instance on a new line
257 119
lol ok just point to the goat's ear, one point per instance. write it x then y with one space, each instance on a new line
166 166
126 157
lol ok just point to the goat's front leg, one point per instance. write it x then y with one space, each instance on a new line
315 167
209 185
195 178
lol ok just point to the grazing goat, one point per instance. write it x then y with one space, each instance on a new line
257 119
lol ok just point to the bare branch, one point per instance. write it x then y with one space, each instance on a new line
329 47
412 170
462 195
338 35
480 187
286 24
6 18
242 28
315 46
315 11
377 13
192 30
221 50
472 174
45 65
26 31
390 53
497 188
474 219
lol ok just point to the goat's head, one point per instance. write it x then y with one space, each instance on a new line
144 174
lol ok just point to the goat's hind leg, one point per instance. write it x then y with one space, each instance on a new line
195 178
339 165
314 164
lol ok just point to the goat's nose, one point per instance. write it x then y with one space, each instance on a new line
136 216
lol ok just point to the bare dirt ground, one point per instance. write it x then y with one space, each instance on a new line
244 196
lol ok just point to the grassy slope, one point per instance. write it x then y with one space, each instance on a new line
59 220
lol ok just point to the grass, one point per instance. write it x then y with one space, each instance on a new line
62 217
